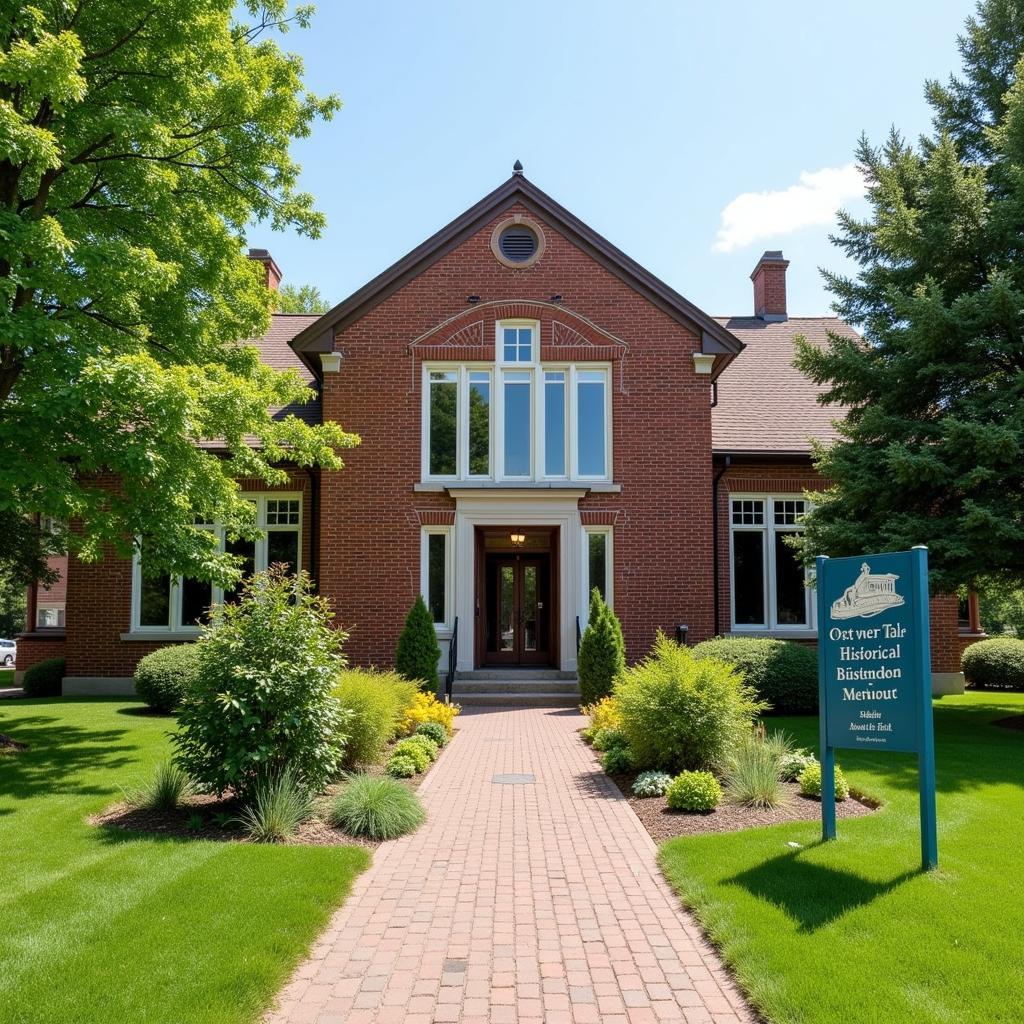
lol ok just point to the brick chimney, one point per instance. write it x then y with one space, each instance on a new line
769 277
271 271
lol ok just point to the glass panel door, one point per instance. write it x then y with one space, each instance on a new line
507 608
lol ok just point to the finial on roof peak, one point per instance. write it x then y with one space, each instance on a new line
517 167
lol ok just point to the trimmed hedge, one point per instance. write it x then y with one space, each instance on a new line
997 664
44 678
163 678
781 672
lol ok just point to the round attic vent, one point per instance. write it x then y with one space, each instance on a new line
517 242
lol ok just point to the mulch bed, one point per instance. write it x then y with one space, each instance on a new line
1013 722
7 745
662 823
197 817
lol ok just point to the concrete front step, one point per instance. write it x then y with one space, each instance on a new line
514 675
516 699
569 687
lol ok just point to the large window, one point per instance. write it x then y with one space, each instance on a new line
171 604
769 589
436 574
516 419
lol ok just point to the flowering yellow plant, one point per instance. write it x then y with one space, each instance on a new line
604 714
426 707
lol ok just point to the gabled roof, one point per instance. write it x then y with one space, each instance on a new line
766 406
319 337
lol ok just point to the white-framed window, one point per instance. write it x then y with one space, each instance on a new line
516 419
517 341
437 573
162 603
768 583
597 565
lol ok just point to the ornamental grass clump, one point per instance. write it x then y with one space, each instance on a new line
260 702
376 808
278 805
680 713
752 775
651 784
376 703
810 782
693 791
166 789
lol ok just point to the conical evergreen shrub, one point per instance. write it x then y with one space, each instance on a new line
418 650
602 651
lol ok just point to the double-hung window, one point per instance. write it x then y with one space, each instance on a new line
162 603
769 590
517 418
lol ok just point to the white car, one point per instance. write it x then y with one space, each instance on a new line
8 652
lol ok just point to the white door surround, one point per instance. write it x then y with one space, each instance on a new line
503 507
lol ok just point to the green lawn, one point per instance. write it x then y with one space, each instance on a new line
6 676
103 927
853 931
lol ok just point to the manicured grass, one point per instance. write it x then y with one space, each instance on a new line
6 677
853 931
101 926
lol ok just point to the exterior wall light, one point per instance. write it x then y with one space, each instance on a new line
330 361
517 538
703 363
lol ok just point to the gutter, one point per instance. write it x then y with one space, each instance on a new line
714 539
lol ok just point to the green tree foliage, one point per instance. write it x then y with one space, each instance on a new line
290 298
602 654
139 141
260 700
12 606
932 448
1002 609
418 651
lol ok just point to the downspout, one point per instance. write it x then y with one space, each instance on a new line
714 539
314 524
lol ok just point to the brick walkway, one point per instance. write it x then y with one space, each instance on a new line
514 902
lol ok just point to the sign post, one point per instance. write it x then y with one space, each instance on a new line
874 671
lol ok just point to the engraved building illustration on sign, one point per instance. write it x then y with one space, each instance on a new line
870 594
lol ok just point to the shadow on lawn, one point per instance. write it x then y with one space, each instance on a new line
810 894
58 756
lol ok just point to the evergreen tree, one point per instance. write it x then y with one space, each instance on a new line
418 651
602 654
932 446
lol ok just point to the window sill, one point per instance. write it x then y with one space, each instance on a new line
440 486
165 637
774 634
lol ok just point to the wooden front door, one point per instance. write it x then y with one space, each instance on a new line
517 598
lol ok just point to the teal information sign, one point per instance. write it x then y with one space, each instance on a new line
874 670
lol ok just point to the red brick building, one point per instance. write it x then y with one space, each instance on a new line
539 415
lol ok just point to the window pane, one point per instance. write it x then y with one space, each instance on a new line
590 423
746 512
479 424
436 566
748 577
554 424
517 424
598 563
282 512
509 337
444 401
788 512
283 548
155 600
246 550
790 593
196 598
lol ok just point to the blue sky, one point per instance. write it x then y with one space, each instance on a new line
646 119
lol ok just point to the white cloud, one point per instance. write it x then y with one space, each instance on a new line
814 201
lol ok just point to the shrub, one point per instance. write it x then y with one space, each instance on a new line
752 775
791 765
165 790
376 808
426 707
376 703
604 714
651 784
261 700
434 731
605 739
418 651
429 747
416 752
44 678
602 655
164 677
279 804
782 673
617 760
810 782
401 766
996 663
678 712
693 791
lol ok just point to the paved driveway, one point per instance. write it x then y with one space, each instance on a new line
515 902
